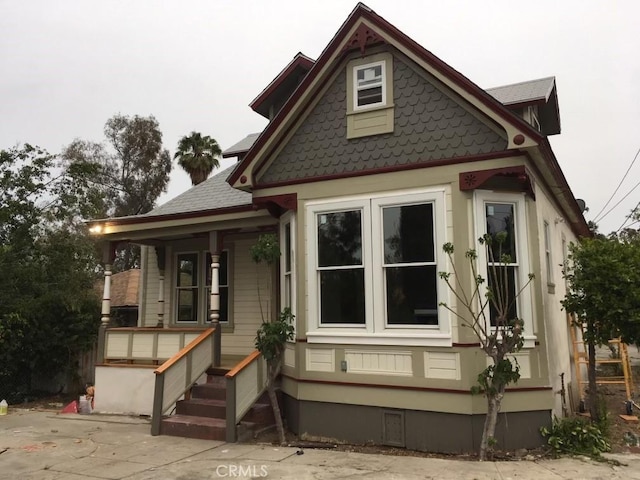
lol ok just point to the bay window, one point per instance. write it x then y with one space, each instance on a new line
373 267
502 217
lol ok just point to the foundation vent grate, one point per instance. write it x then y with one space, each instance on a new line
393 428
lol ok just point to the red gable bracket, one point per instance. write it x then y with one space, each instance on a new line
277 204
507 178
362 38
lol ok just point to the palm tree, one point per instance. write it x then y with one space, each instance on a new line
198 156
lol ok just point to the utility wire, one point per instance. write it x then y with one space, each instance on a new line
628 217
619 202
596 219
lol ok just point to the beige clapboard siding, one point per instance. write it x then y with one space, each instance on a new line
150 294
246 308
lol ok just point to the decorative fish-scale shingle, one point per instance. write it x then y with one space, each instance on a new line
428 126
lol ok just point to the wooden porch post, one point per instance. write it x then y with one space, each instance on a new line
214 248
161 258
108 255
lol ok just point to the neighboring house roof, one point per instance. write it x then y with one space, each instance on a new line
124 288
529 92
241 147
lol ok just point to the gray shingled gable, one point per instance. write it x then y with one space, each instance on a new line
430 125
523 92
211 194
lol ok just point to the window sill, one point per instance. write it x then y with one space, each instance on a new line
357 111
387 338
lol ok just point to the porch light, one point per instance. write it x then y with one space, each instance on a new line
96 229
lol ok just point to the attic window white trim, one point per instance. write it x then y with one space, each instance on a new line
366 88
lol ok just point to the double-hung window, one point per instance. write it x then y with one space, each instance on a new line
373 270
287 262
193 287
369 85
187 283
505 261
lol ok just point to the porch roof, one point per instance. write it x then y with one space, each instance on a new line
212 194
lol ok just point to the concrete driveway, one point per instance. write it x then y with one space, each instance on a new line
43 445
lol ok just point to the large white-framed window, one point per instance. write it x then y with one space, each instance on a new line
369 85
193 287
372 269
505 214
288 261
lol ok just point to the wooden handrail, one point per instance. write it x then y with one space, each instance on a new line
157 329
185 351
243 364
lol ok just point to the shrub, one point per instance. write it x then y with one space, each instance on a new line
575 436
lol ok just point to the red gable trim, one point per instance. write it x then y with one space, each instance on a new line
395 168
363 12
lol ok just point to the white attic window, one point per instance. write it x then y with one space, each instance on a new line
369 85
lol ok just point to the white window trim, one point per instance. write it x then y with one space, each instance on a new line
375 331
548 255
525 300
288 218
356 89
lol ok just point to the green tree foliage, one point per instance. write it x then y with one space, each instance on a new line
198 156
129 172
49 311
497 340
272 336
604 279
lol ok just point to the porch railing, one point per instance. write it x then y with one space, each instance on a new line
176 376
245 383
145 345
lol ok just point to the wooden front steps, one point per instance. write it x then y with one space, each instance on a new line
203 415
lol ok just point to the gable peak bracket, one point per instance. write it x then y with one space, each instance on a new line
362 38
276 205
516 178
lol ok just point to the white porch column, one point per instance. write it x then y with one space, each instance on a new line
215 289
160 257
106 296
108 255
214 300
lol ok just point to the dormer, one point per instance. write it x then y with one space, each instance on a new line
272 98
536 101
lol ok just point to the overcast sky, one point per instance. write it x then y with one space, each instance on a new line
68 66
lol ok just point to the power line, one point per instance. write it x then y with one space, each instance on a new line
619 202
628 217
596 219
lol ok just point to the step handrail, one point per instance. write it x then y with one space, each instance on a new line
182 370
245 383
